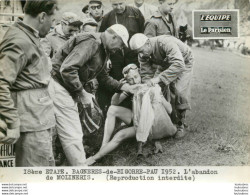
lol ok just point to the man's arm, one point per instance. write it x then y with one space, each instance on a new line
12 61
108 82
175 61
113 85
150 28
77 58
117 98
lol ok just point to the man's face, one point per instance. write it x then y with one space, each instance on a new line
119 6
167 6
46 23
140 2
69 30
89 28
113 42
145 51
133 77
96 10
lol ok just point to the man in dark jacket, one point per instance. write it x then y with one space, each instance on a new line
26 107
133 20
80 60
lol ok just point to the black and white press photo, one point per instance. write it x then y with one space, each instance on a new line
98 83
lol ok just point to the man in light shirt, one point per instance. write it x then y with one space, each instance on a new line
146 9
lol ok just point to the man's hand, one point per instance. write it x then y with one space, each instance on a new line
123 81
87 99
3 129
153 82
11 137
143 58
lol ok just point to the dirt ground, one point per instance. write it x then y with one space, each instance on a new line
219 122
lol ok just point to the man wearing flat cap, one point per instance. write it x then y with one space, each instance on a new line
89 25
69 26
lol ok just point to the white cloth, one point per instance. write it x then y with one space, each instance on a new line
151 114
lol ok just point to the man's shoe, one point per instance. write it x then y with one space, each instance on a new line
180 132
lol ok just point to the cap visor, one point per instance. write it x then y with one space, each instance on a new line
125 43
90 23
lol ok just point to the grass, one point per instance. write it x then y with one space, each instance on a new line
219 124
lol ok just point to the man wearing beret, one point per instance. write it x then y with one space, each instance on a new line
167 60
69 26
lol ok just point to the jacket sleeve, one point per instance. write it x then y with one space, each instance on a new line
77 58
46 45
12 61
175 61
150 29
108 82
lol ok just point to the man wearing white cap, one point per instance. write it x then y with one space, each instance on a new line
174 63
81 59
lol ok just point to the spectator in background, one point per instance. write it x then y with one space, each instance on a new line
133 20
95 11
69 26
146 9
26 107
162 22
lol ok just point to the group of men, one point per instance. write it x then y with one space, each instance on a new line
43 75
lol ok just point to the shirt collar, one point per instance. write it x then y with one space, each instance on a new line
142 6
29 28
